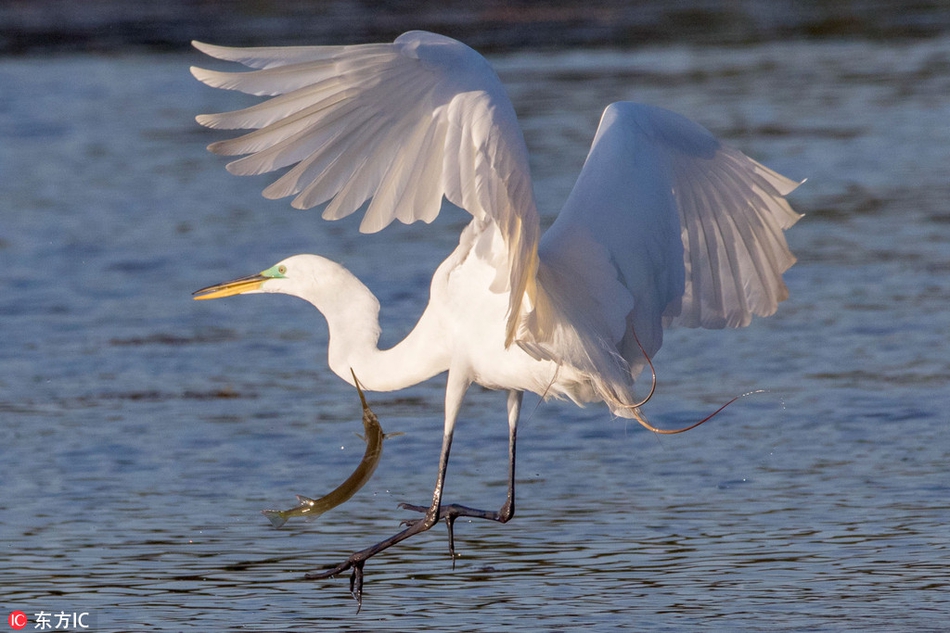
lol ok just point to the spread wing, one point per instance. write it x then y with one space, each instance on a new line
664 225
403 124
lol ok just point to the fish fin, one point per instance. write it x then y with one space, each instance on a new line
306 508
276 517
361 436
305 501
386 436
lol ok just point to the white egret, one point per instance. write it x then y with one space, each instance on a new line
665 225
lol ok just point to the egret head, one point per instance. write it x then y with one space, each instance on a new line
307 276
243 285
328 286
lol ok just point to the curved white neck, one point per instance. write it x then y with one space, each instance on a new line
352 314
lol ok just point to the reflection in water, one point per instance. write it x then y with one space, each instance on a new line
139 438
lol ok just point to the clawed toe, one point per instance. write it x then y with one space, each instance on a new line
413 508
449 513
356 585
357 560
356 578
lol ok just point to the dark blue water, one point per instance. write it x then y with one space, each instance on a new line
142 432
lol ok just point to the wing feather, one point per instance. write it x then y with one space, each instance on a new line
403 125
690 230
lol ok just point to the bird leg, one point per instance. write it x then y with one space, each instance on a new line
356 561
449 513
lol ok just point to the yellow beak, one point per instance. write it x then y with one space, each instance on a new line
228 288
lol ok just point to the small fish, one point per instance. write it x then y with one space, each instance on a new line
313 508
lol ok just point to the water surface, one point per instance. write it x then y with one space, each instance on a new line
142 432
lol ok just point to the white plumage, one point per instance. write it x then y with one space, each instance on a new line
665 225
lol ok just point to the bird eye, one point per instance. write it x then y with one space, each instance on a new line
282 269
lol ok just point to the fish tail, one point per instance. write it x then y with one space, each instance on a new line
276 517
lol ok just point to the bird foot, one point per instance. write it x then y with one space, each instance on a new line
357 560
356 578
449 513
